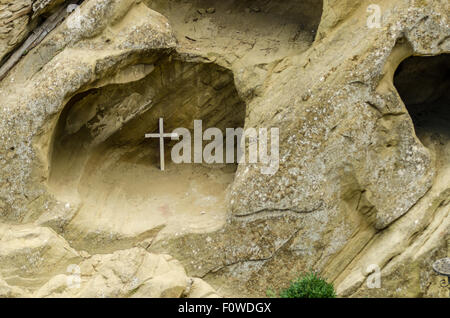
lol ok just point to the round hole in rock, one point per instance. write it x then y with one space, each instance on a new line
102 161
424 86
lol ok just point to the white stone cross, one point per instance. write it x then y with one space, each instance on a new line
161 135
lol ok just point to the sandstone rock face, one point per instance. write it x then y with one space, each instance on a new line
29 255
20 18
126 273
359 92
14 18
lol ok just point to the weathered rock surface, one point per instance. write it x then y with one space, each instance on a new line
364 171
14 18
126 273
30 255
37 262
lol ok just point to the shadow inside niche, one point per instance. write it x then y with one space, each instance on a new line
102 160
424 86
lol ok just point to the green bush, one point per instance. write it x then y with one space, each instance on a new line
309 286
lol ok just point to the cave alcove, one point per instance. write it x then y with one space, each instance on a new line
423 83
101 161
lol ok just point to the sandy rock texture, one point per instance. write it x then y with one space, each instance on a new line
37 262
14 18
359 92
126 273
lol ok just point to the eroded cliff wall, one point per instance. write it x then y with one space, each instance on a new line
359 92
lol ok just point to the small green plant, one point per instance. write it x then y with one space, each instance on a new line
271 294
309 286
